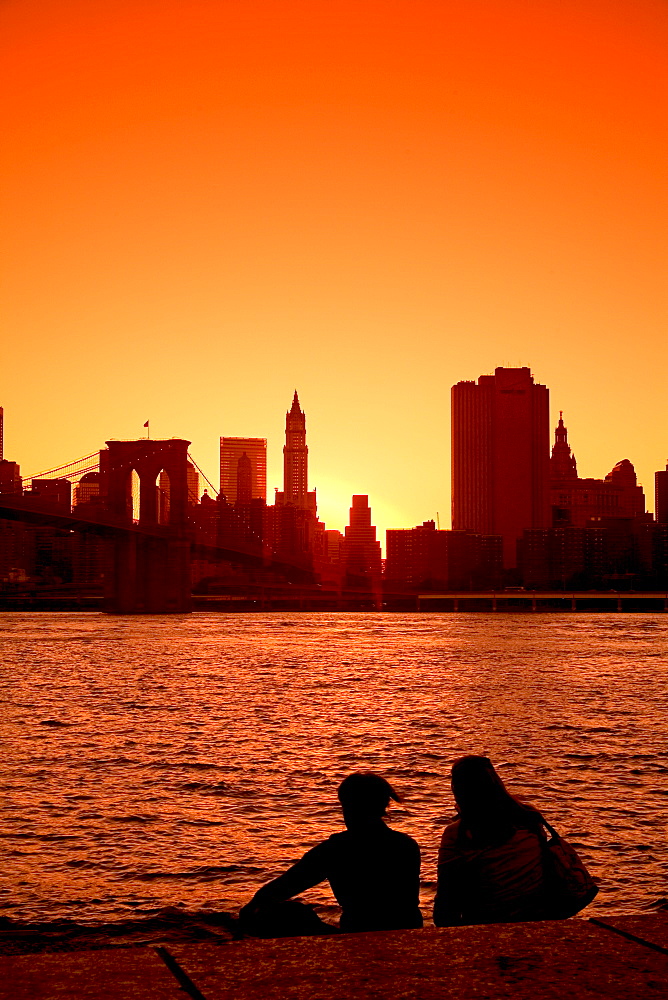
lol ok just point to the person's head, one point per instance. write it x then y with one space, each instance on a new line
477 787
364 797
486 807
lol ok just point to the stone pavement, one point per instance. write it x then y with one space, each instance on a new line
620 957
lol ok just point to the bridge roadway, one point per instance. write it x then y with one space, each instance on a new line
109 527
495 598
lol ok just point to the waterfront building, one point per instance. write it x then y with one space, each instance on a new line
429 559
500 456
232 450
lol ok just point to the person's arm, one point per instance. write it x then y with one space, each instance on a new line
450 884
449 894
307 872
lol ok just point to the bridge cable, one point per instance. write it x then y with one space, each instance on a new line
68 465
206 480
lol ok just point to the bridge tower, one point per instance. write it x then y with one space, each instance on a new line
148 569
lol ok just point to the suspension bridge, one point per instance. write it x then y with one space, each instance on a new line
148 553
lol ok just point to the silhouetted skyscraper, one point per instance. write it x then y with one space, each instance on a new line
295 456
295 492
500 456
231 450
661 495
360 553
244 480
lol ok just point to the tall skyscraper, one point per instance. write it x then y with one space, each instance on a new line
360 551
232 450
500 456
295 456
295 492
661 495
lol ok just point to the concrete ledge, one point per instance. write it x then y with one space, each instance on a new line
561 959
88 975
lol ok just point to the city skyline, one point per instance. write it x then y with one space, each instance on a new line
508 465
207 206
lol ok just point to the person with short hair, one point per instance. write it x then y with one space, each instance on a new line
373 870
490 863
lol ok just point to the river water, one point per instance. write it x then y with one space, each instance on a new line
150 762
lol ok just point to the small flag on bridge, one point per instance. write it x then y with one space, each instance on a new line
147 430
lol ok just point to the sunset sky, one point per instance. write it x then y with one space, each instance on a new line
209 203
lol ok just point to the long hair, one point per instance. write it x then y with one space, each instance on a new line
488 813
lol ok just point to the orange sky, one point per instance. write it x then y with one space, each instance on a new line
208 203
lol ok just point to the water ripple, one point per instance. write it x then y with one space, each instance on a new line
203 752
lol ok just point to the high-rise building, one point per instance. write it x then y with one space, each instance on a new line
500 456
232 450
661 495
295 456
295 492
360 551
2 433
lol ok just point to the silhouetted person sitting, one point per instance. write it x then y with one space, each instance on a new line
490 864
373 871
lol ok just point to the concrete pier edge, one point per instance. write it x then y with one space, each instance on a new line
619 956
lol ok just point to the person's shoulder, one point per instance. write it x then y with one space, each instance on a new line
450 846
401 839
451 832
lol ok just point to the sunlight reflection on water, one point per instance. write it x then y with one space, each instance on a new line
150 761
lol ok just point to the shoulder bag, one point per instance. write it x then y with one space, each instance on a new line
568 885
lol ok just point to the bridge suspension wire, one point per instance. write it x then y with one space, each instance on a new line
78 467
206 480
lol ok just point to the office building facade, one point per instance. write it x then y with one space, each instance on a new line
232 452
500 456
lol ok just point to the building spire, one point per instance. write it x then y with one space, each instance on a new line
295 456
562 462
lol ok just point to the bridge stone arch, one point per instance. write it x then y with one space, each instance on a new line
148 459
148 571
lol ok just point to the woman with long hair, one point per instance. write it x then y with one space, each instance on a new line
373 870
490 863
